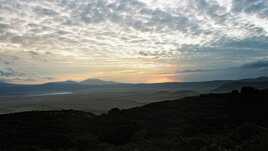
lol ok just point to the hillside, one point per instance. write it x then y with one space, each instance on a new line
261 83
234 121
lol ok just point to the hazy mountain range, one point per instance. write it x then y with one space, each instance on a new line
101 85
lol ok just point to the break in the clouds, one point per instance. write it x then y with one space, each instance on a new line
130 40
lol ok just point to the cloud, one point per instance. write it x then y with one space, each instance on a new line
142 25
7 72
51 38
263 64
247 70
248 6
197 70
11 75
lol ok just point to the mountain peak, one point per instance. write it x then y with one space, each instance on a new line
70 82
97 82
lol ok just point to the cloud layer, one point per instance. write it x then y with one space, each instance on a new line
115 38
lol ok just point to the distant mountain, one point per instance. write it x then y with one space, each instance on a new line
52 87
261 83
101 85
97 82
33 89
70 82
3 83
259 79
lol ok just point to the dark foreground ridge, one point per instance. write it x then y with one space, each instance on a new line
235 121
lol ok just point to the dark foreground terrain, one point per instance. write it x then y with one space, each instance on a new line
234 121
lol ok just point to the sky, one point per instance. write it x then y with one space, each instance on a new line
137 41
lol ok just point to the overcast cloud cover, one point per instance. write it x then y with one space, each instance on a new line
133 40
